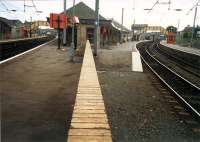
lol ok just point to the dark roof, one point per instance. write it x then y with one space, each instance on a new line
188 29
11 23
118 26
83 12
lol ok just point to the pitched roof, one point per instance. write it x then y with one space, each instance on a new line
118 26
11 23
82 11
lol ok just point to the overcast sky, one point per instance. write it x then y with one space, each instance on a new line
160 16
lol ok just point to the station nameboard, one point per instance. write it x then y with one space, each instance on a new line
56 19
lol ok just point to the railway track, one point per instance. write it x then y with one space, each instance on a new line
12 48
187 92
190 67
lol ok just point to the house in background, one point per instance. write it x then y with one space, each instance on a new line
5 29
12 29
36 25
144 31
110 30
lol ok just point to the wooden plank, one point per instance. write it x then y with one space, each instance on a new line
89 139
89 115
90 126
101 107
89 111
89 120
89 104
89 132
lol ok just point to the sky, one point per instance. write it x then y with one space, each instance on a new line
133 10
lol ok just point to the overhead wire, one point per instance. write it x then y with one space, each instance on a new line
158 2
195 5
6 8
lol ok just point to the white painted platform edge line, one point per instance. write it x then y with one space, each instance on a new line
136 62
23 53
136 59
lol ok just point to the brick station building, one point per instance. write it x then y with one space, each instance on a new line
110 30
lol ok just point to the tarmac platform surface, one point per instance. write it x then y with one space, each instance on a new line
37 95
38 92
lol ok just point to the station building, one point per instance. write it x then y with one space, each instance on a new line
110 30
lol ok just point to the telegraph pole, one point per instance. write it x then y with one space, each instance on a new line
121 39
194 23
31 27
96 34
133 27
65 30
73 30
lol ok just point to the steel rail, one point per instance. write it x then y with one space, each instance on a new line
188 105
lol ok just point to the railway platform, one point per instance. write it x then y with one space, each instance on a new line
189 50
37 95
44 97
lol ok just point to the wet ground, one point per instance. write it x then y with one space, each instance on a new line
37 96
140 109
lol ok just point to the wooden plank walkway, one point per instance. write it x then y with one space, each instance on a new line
89 120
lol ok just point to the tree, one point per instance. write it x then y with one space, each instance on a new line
171 29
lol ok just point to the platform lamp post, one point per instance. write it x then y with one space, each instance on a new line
133 26
65 30
30 26
96 32
73 31
178 10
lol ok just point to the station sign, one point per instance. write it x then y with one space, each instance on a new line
75 20
58 21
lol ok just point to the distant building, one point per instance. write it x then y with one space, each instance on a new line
139 28
10 29
143 31
5 29
36 24
110 30
155 29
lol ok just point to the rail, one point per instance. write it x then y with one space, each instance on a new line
187 92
